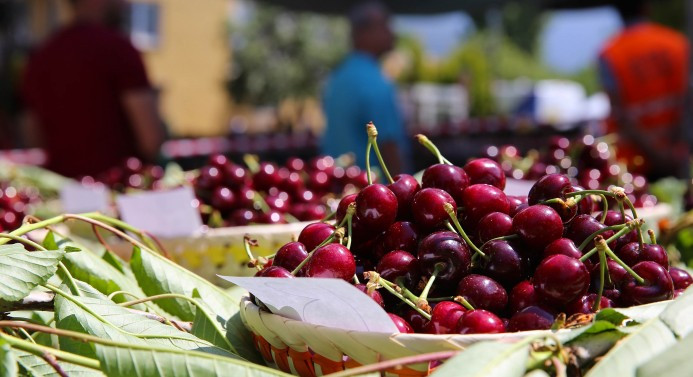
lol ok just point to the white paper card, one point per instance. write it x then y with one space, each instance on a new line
324 302
77 198
163 213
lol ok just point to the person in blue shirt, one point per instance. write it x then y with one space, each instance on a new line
357 92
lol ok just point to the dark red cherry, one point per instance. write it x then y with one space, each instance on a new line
245 198
549 187
680 277
450 250
428 207
586 206
401 324
617 275
538 226
417 321
234 176
272 217
582 227
530 318
658 285
449 178
632 254
404 187
480 321
223 199
563 246
375 295
295 164
278 202
331 261
342 207
290 255
376 207
399 263
484 170
209 178
267 177
585 304
293 184
314 234
481 199
615 218
503 263
401 235
560 279
482 292
494 225
517 203
242 217
319 181
217 160
308 211
274 272
444 317
521 296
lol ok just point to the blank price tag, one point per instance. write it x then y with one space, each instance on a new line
77 198
163 213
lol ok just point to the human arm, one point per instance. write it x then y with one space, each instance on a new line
140 106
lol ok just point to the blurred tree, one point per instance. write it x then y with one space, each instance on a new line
521 23
669 12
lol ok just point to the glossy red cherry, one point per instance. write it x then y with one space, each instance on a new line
245 198
319 181
585 304
376 207
417 321
484 170
586 206
481 199
617 275
521 296
308 211
448 249
234 176
530 318
267 177
563 246
517 203
428 207
482 292
401 324
658 285
293 184
583 226
242 217
552 186
680 277
632 254
331 261
274 272
404 187
615 218
449 178
399 263
223 199
375 295
560 279
401 235
480 321
295 164
217 160
278 202
538 226
444 317
494 225
314 234
271 217
343 206
209 178
503 263
290 255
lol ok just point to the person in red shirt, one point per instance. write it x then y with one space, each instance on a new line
90 103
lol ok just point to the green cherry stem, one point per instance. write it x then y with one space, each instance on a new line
390 287
605 208
368 161
251 258
618 260
426 142
436 270
601 245
463 301
451 212
653 238
349 227
592 236
372 138
629 226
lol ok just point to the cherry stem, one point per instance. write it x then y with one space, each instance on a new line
426 142
436 270
439 299
246 246
618 260
349 228
252 162
602 271
463 301
605 208
372 138
653 239
451 212
629 226
368 161
399 282
260 201
597 232
389 286
356 279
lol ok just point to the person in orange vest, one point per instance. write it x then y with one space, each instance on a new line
644 70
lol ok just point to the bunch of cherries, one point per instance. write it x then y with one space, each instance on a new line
131 174
456 255
15 203
268 194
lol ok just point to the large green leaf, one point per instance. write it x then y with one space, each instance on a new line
679 314
8 363
133 361
22 271
674 361
206 327
641 345
487 359
110 321
35 366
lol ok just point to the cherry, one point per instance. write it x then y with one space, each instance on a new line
314 234
290 255
449 250
209 178
494 225
267 177
399 263
401 324
375 295
417 321
245 197
404 187
552 186
401 235
444 317
583 226
217 160
538 226
560 279
449 178
306 196
585 304
234 176
586 205
293 184
482 292
319 181
485 170
530 318
133 165
331 261
631 254
481 199
274 272
295 164
308 211
503 263
279 202
241 217
428 207
521 296
343 206
517 203
272 217
480 321
658 285
376 207
563 246
615 218
680 277
617 275
223 199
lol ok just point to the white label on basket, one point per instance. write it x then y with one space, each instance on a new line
77 198
163 213
323 302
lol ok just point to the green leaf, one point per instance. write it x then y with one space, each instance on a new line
640 346
642 313
674 361
206 327
110 321
72 249
487 359
22 271
35 366
679 313
8 363
114 261
612 316
133 361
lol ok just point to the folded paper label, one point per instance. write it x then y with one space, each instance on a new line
163 213
77 198
324 302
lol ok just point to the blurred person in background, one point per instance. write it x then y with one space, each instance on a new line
644 70
90 102
357 92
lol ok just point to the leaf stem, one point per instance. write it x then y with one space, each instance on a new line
39 350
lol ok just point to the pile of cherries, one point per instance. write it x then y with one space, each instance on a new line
15 203
269 194
456 255
132 174
587 161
